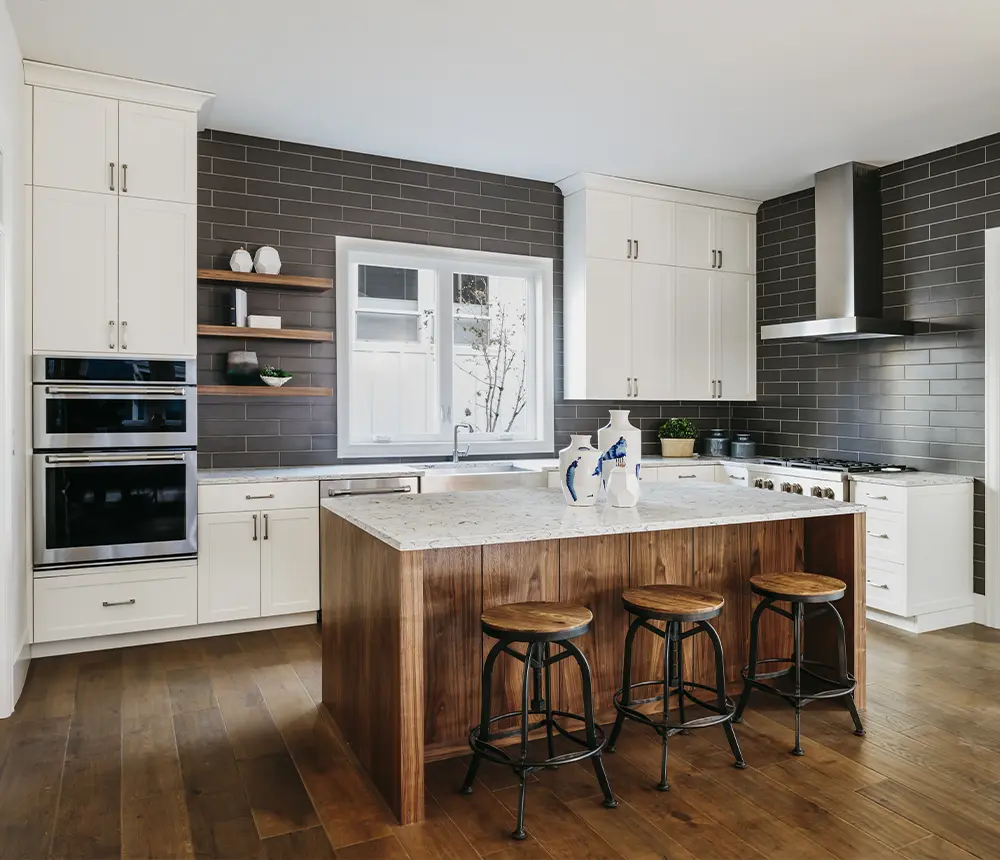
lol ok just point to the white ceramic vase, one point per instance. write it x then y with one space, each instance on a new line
266 261
579 472
623 487
620 444
241 261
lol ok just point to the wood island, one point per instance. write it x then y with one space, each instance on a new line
405 579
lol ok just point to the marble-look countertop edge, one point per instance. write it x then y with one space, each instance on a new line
909 479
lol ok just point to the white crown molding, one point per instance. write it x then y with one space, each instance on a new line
616 185
111 86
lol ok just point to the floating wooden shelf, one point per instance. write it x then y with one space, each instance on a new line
252 279
247 333
263 391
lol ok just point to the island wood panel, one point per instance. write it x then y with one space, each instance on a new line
658 558
514 573
453 599
721 564
373 672
593 572
775 547
835 546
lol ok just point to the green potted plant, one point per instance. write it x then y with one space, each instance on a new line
274 376
677 437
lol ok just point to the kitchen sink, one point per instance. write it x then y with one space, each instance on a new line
498 475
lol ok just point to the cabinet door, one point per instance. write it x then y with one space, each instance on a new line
289 561
157 286
609 225
735 235
75 272
75 142
652 231
692 327
228 566
158 153
652 331
735 298
608 329
694 235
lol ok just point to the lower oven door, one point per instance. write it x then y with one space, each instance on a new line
105 506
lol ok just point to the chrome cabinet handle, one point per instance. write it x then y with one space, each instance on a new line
635 381
111 329
881 585
268 496
255 526
629 254
877 498
636 255
720 387
686 476
265 526
111 172
118 602
629 383
378 491
882 536
124 179
124 334
715 383
714 252
736 478
720 258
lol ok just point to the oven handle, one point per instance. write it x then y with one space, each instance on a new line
114 458
116 391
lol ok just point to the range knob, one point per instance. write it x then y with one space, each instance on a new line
786 487
759 483
768 484
828 493
817 492
797 488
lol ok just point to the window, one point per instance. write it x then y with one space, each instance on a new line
428 338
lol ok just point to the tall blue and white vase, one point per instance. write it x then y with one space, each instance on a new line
579 472
620 444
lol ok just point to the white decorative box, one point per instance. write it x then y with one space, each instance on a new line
258 321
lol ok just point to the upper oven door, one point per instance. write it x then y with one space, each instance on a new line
114 416
104 506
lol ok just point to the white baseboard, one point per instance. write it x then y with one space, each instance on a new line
174 634
981 610
927 622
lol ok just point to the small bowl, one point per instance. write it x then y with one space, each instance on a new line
275 381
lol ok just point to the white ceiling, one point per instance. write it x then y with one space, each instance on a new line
747 98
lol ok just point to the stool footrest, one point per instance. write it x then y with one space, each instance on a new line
668 725
835 689
496 754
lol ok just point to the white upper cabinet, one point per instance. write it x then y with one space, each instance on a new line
695 236
652 298
158 152
652 231
717 239
75 142
624 227
604 374
157 290
608 224
75 271
693 324
735 358
736 241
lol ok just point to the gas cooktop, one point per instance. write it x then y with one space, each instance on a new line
831 464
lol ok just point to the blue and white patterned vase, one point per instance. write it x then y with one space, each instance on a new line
579 472
620 444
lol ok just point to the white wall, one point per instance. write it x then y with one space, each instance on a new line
13 372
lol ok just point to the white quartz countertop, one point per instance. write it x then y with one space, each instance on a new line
304 473
909 479
509 516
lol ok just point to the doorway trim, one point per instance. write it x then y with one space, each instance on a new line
988 606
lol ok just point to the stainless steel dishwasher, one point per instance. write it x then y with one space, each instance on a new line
367 487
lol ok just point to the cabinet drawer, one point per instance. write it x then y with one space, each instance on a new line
735 476
687 473
122 600
886 537
878 497
225 498
886 587
649 474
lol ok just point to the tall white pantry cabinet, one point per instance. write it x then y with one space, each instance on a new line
660 293
114 221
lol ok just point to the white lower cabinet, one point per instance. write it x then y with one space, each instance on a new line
289 561
228 566
687 473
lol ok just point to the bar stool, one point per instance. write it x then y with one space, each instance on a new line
674 604
799 589
538 625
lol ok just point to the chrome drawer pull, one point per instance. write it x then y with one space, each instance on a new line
878 585
882 536
268 496
878 498
686 476
118 602
736 478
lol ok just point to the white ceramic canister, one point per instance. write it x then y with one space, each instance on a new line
579 472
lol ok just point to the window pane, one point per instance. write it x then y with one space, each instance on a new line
388 327
384 282
493 380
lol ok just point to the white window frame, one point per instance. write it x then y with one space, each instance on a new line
537 270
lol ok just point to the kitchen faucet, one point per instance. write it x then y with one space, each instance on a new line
454 453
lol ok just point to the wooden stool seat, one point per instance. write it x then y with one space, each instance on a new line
801 587
673 602
538 619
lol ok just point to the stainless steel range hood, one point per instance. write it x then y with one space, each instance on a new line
848 261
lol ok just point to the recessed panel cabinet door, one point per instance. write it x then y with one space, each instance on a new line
693 335
75 141
695 235
652 231
609 225
157 148
735 235
652 331
736 355
228 566
156 277
289 561
609 329
75 272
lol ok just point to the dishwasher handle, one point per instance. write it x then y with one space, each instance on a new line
378 491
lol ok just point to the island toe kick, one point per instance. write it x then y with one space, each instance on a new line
403 646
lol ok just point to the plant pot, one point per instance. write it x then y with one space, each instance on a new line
677 447
275 381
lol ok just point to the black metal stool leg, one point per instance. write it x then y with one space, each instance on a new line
663 785
720 686
549 725
752 664
518 832
679 672
484 720
626 683
797 658
859 729
588 718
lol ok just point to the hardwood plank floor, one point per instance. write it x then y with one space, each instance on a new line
216 749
